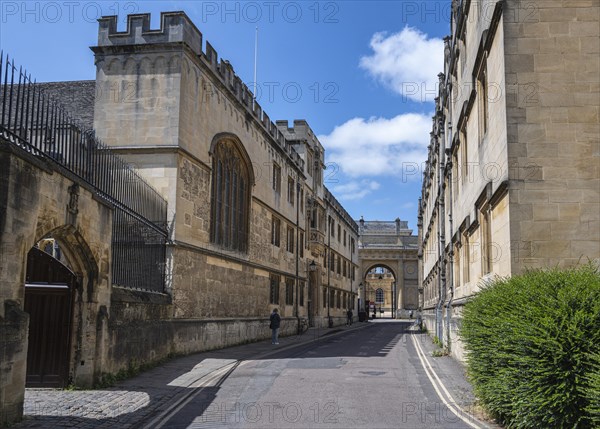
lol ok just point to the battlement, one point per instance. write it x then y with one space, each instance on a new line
176 27
300 131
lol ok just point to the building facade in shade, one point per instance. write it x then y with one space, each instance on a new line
512 179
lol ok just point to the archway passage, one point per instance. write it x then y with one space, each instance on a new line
49 290
380 292
393 247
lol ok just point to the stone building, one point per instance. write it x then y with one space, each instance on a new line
512 179
388 253
247 203
249 225
330 235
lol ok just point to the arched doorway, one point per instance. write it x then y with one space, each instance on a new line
49 288
381 293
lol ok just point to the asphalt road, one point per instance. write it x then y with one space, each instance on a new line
368 378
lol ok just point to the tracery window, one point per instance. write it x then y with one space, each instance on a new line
230 198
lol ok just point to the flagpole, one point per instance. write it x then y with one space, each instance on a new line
255 62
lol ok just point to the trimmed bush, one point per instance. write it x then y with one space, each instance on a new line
533 348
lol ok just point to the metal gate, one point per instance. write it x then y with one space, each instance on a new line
48 300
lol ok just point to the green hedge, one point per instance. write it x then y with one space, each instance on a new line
533 348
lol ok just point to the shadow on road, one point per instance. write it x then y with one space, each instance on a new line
178 383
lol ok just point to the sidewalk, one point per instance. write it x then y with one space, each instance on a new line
451 374
132 402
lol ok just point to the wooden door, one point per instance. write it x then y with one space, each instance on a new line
48 300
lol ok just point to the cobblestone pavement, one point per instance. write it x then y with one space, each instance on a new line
131 403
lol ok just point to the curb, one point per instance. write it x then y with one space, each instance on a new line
442 389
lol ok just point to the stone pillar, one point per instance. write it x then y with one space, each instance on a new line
400 288
14 328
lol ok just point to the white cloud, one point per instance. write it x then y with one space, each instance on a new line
380 146
355 190
408 62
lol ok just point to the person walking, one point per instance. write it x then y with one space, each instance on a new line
349 314
275 323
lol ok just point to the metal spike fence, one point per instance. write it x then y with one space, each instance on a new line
41 126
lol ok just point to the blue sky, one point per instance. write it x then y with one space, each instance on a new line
362 73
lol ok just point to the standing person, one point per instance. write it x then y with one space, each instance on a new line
275 322
349 315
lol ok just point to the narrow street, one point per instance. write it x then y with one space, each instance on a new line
368 376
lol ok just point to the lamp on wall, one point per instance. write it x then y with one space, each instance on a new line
312 266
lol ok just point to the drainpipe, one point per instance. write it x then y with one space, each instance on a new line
442 230
450 256
438 306
451 228
297 250
329 321
420 264
350 275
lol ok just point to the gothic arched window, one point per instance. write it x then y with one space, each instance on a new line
230 197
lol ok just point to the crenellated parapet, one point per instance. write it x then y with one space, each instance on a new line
176 28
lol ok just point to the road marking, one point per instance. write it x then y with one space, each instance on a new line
451 404
215 378
165 415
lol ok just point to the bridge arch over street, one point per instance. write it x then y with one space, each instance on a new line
391 247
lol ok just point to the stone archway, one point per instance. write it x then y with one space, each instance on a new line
37 201
84 290
380 289
50 286
391 245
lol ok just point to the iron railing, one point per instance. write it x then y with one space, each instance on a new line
40 125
